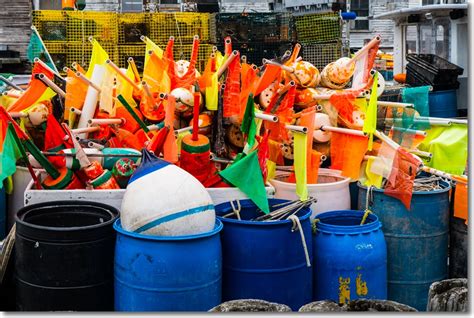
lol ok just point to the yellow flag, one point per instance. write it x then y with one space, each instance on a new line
372 179
106 102
300 149
212 93
219 59
271 169
370 122
180 137
151 46
47 95
124 87
99 56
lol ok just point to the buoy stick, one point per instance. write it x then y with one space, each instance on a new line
87 81
196 116
285 88
18 114
98 155
227 62
122 75
85 130
347 131
33 28
76 111
301 129
266 117
393 104
106 121
131 61
50 84
359 53
44 65
443 120
420 153
412 131
18 88
148 93
11 94
283 67
132 112
439 173
181 130
95 145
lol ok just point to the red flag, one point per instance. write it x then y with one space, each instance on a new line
263 154
38 68
403 171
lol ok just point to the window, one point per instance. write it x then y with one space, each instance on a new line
361 9
50 4
426 39
132 5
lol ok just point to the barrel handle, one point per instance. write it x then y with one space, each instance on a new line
297 225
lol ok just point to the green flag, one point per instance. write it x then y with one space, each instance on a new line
448 145
9 154
248 126
37 49
247 176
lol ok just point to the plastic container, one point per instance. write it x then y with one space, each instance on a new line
417 242
64 253
3 213
443 103
265 260
458 247
350 260
167 273
331 191
434 69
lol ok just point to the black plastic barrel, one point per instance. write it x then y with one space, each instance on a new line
64 256
458 246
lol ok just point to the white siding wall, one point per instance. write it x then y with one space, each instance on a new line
383 27
103 5
15 22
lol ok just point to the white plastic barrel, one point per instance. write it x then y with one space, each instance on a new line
331 191
21 178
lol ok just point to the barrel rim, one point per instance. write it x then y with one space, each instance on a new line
322 172
249 203
218 226
112 211
446 189
347 229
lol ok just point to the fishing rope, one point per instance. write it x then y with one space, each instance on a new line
236 211
368 199
297 225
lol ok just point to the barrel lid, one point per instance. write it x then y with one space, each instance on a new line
83 221
346 222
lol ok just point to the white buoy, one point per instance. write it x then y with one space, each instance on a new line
321 119
164 200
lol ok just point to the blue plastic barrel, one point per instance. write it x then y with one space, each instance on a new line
172 273
417 242
350 260
354 191
3 213
265 260
443 103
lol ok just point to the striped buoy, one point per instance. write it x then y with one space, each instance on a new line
164 200
122 171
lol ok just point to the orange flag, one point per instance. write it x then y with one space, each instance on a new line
29 97
347 153
231 98
170 148
76 91
271 73
404 169
460 201
156 76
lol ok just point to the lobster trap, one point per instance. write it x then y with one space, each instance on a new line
321 55
131 26
137 52
318 28
51 24
254 27
100 25
182 25
81 53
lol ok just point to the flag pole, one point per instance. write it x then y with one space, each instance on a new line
45 49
